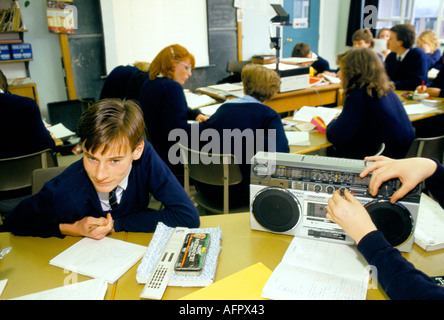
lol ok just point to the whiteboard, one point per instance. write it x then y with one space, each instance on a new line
136 30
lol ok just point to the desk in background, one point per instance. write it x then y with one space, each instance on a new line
319 141
28 270
293 100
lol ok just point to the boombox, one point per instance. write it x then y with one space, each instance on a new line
289 194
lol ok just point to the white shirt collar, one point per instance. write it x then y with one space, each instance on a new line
402 56
104 196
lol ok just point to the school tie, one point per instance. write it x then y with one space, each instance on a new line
113 199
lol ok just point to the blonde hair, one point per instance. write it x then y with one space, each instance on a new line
165 61
142 65
260 82
430 38
362 68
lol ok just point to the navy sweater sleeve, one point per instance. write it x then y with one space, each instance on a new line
397 277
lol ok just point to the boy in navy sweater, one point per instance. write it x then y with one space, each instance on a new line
80 201
406 66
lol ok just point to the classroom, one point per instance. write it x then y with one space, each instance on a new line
222 150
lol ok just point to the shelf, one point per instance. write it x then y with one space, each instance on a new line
15 61
14 31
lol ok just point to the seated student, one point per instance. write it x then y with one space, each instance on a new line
163 101
117 164
406 66
397 277
23 131
363 38
429 42
435 88
124 82
384 34
248 115
302 50
372 113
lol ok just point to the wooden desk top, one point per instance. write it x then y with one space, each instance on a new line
319 140
28 271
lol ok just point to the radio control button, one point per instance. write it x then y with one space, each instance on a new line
317 188
330 189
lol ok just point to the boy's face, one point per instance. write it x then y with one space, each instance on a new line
107 170
394 44
361 44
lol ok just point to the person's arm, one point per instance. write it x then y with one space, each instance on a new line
398 278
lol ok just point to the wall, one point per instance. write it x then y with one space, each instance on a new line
333 29
46 68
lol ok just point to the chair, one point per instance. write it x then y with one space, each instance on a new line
41 176
428 148
16 173
221 172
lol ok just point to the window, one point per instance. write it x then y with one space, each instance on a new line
423 14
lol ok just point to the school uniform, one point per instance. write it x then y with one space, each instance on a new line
366 122
23 131
71 196
165 108
408 71
116 82
435 60
320 65
244 115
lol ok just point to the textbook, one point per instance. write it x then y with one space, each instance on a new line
318 270
305 114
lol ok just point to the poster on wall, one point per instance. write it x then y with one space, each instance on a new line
301 13
61 16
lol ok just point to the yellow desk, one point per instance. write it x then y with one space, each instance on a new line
27 266
293 100
28 270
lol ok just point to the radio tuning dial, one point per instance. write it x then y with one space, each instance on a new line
317 188
330 189
386 190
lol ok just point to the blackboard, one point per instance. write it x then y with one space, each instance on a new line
222 42
87 50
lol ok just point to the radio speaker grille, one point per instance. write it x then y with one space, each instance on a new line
276 209
393 220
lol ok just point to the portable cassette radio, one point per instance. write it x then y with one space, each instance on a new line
289 193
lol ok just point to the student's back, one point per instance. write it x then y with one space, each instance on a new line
23 131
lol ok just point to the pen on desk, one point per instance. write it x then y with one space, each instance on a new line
422 86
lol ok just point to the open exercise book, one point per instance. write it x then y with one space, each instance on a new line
318 270
158 244
94 289
106 259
